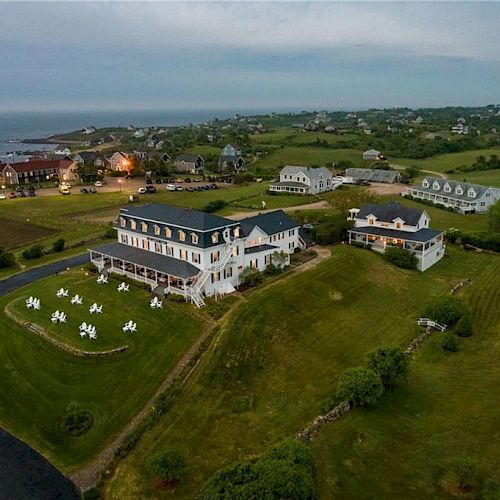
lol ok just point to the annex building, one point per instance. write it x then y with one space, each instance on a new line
303 180
461 196
192 253
394 225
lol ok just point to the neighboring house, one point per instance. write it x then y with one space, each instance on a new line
394 225
91 158
231 159
311 127
214 136
89 130
460 129
303 180
195 254
139 134
372 154
189 164
120 162
353 175
140 155
331 129
62 151
166 158
462 196
39 170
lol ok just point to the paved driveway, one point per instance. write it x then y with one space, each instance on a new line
25 278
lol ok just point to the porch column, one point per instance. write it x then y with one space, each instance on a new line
366 240
350 237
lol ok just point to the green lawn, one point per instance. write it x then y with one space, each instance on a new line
446 162
485 177
447 409
39 380
279 356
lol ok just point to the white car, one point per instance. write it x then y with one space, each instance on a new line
2 196
171 187
98 184
141 190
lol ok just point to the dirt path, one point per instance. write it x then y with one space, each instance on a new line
382 188
317 205
87 477
433 172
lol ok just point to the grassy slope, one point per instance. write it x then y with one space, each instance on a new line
448 161
445 410
39 380
282 354
486 177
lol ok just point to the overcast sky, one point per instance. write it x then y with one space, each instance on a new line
247 55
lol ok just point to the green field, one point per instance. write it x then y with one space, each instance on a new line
279 356
40 380
485 177
448 161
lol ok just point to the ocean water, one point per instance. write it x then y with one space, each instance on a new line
22 125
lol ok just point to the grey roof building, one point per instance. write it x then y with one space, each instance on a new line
303 180
373 175
461 196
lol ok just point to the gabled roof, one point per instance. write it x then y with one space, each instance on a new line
420 236
312 173
188 158
391 211
270 222
87 155
177 216
478 188
375 175
29 166
372 152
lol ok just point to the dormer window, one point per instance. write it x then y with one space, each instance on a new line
371 221
447 188
471 193
425 184
459 190
398 225
215 237
236 232
133 224
123 222
157 230
144 227
194 238
182 235
435 185
168 232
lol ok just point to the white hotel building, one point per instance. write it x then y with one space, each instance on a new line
192 253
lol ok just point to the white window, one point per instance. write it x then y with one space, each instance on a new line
183 255
134 241
124 238
459 190
488 194
170 251
236 232
133 224
145 244
447 187
158 247
168 232
228 272
194 238
123 222
214 256
236 251
157 229
182 235
435 185
144 227
215 237
471 193
196 257
268 259
254 264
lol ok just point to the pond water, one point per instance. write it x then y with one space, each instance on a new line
27 475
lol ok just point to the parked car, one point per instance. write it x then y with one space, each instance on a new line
142 190
150 189
92 190
64 189
22 194
31 193
190 189
84 191
170 187
179 188
187 179
2 196
98 184
12 194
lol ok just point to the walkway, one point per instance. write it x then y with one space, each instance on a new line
317 205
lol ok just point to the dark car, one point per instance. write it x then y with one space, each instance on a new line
31 193
190 189
22 194
187 180
150 189
149 181
84 191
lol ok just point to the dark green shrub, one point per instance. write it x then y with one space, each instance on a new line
332 230
389 363
7 259
169 465
467 472
33 252
464 326
214 206
110 232
360 386
251 277
58 245
77 421
445 310
450 342
400 257
92 494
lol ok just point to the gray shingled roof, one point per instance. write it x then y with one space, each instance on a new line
478 188
420 236
312 173
270 222
391 211
290 184
188 158
375 175
151 260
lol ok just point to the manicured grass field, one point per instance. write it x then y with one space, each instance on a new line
118 308
278 359
446 162
39 380
485 177
446 410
